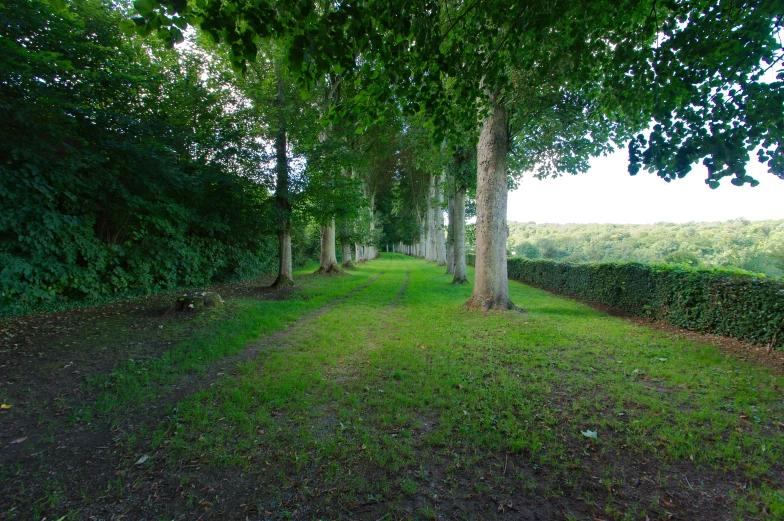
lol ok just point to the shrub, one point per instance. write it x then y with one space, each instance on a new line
720 301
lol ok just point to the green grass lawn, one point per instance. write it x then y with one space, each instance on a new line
375 395
398 402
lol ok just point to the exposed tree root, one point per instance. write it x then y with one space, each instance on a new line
282 281
477 303
348 265
332 269
460 280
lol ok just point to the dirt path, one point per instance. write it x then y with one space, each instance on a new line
44 452
155 490
89 469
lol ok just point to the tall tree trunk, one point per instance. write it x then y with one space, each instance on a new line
370 250
439 222
460 237
422 236
328 262
491 286
345 235
450 230
285 274
345 250
430 252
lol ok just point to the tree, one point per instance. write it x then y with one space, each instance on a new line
463 169
555 82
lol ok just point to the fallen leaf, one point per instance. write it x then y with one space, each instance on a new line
590 434
142 460
18 440
5 406
205 503
662 359
422 346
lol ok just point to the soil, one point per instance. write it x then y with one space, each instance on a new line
46 451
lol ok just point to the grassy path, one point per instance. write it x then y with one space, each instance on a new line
392 402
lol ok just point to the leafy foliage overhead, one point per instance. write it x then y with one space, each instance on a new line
575 74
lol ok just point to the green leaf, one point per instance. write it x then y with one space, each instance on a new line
58 5
145 7
128 27
180 22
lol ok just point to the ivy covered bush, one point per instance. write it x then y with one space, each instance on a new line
723 302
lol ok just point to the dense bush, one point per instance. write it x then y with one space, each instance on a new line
723 302
121 169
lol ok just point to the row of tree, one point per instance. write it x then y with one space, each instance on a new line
551 82
757 247
127 166
358 117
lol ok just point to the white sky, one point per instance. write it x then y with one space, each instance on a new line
608 194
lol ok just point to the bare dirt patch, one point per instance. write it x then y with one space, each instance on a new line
61 457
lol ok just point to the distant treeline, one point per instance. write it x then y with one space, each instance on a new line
753 246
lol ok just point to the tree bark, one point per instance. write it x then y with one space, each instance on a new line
422 236
450 230
491 286
439 222
345 234
460 235
285 273
430 232
370 251
345 249
328 262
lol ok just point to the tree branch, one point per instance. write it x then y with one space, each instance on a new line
462 15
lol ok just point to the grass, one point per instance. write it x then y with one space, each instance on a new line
392 401
229 332
395 402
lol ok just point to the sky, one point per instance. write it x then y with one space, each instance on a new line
608 194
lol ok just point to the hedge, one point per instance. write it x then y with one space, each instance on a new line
717 301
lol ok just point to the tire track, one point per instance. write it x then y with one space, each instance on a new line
97 451
402 291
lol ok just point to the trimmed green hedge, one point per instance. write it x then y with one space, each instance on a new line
718 301
715 301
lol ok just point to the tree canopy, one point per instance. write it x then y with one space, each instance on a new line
578 74
127 164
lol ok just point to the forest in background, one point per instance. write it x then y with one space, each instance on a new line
755 246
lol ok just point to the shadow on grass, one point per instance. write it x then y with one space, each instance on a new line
565 312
